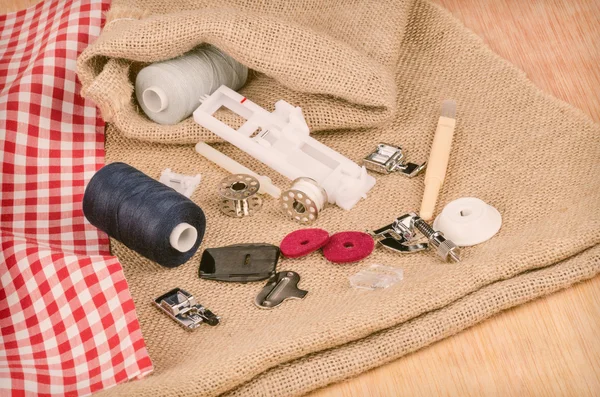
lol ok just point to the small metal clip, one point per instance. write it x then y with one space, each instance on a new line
387 159
181 306
397 235
280 287
183 184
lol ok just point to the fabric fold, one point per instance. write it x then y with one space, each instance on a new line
302 54
508 138
343 362
68 324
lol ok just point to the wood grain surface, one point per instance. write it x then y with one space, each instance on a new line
550 346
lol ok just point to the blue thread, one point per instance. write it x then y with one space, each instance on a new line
141 212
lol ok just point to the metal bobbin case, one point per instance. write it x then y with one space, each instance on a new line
238 195
304 200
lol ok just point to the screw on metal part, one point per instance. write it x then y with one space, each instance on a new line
399 235
445 248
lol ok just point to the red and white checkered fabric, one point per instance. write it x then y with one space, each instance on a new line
67 320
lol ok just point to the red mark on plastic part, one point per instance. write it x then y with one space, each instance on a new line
243 100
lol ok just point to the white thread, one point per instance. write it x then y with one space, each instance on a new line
312 191
169 91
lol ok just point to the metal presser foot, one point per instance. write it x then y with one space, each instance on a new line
388 158
182 307
399 235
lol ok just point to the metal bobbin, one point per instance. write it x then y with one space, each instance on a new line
239 195
304 200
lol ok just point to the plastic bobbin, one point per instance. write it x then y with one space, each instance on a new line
239 195
303 242
155 99
304 200
183 237
468 221
346 247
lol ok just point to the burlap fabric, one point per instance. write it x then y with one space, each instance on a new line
534 158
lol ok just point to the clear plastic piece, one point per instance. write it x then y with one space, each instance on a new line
376 277
183 184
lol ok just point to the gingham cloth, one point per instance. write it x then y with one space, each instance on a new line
67 320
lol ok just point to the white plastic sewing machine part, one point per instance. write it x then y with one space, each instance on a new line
229 164
281 140
183 184
468 221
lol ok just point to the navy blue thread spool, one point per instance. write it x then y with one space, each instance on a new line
145 215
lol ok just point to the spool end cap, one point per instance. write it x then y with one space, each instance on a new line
155 99
183 237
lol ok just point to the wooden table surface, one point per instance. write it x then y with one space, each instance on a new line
549 346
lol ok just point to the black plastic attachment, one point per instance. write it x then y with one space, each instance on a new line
239 263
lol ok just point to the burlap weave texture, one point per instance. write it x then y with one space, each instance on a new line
534 158
336 60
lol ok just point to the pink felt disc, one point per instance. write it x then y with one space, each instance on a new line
347 247
302 242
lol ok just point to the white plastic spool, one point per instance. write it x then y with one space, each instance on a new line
303 201
468 221
183 237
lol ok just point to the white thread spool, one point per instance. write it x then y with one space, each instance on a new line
183 237
168 92
304 200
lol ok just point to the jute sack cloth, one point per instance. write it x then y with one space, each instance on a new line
336 60
533 157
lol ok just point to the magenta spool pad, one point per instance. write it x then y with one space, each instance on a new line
303 242
346 247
